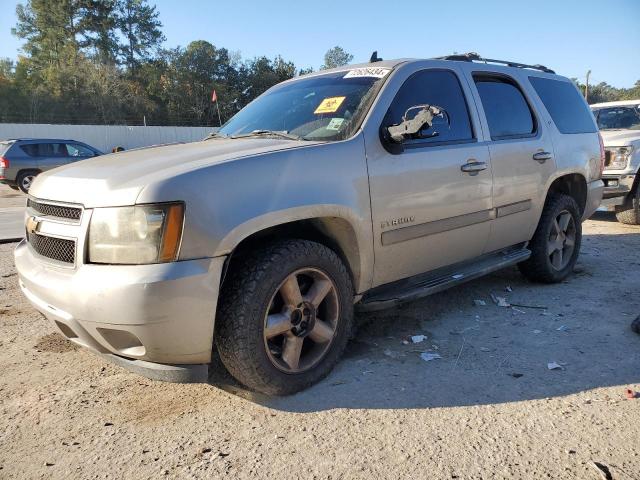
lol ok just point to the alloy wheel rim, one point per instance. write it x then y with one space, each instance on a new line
562 240
26 182
301 321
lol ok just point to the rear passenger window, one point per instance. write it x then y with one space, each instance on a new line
433 87
566 106
44 149
505 107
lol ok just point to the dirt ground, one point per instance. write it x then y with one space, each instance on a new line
489 408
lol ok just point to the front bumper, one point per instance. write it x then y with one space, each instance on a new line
136 315
617 187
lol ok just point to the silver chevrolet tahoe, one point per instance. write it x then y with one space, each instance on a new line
619 124
362 186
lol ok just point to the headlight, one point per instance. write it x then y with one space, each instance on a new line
136 235
618 158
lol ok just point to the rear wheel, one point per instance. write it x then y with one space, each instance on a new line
629 213
556 243
285 316
25 179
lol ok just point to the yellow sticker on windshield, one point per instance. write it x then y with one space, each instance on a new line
329 105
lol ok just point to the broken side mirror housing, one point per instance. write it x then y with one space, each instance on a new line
411 127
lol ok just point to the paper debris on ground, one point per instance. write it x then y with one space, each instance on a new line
391 353
500 301
479 303
554 366
428 356
418 338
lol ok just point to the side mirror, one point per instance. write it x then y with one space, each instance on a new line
411 127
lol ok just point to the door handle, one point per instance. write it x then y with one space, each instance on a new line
473 167
542 157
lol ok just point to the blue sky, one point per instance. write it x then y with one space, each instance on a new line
569 36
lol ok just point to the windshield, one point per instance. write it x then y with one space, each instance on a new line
326 107
618 118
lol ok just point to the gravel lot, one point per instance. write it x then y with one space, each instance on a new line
489 408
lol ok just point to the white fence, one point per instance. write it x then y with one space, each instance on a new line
105 138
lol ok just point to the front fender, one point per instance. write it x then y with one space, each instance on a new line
227 202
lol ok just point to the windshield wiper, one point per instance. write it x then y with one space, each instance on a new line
266 133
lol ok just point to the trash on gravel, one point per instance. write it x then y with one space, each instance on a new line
603 470
391 353
539 307
418 338
479 303
631 394
562 328
537 331
500 301
554 366
428 356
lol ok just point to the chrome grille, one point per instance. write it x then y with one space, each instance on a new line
58 249
60 211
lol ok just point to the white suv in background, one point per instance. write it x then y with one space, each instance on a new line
619 123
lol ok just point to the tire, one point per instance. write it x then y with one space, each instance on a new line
629 213
257 326
553 255
25 179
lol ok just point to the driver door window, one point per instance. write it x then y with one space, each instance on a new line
439 88
75 150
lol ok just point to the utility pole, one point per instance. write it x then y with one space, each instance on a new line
586 87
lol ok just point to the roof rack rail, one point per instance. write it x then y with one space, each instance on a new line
474 57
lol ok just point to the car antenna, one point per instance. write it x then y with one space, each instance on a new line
374 57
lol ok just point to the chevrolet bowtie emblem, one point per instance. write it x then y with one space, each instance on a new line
32 225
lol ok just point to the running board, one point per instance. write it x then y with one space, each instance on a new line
420 286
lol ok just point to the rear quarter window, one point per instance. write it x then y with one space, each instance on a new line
566 106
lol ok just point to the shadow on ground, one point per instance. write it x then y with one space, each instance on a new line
491 354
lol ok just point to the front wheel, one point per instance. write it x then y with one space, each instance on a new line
556 243
629 213
285 316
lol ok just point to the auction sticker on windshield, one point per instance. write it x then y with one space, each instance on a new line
376 72
329 105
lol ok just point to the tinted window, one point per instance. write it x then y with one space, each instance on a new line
44 149
564 103
438 88
506 109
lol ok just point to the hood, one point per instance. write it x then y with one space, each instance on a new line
117 179
619 138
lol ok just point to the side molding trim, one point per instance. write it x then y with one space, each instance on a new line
404 234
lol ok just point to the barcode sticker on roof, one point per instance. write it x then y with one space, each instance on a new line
376 72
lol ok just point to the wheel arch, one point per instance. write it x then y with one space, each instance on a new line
572 184
336 233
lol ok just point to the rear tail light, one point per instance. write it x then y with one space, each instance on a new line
602 154
4 164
